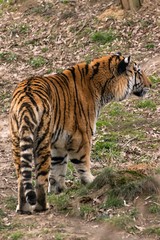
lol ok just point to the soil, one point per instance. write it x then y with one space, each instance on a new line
59 31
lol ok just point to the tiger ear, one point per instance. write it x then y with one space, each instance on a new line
123 64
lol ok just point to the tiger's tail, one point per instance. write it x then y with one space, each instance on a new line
26 135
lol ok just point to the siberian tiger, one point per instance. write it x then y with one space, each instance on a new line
53 119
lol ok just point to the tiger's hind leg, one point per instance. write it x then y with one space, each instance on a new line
59 160
23 206
42 163
81 161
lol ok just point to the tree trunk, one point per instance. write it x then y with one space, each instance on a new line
131 4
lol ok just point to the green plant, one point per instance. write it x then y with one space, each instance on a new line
16 235
113 201
37 62
152 230
6 3
58 236
11 203
65 1
150 46
154 79
45 49
134 213
122 222
104 37
154 208
86 209
23 28
149 104
8 56
61 202
115 110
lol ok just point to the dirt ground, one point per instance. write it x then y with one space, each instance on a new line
59 32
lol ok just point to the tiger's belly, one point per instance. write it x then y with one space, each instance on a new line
70 142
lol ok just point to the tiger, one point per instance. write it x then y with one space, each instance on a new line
53 119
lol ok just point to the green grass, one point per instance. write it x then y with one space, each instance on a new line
65 1
8 57
58 236
11 203
103 123
37 62
116 109
150 46
24 28
147 104
113 201
154 79
124 184
45 49
6 3
104 37
61 202
123 221
154 208
16 235
152 230
2 215
86 209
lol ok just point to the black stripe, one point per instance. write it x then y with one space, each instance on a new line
27 156
28 122
57 105
76 161
86 68
26 146
25 128
31 97
72 70
28 185
27 139
109 62
81 171
95 70
40 165
64 97
26 174
42 173
59 159
29 109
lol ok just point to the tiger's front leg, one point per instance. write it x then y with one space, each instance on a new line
59 160
81 160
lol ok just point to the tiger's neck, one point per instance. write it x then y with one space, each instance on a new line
115 88
100 83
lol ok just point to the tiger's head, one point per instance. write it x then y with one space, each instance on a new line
138 81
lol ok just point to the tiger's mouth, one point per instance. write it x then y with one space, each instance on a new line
141 93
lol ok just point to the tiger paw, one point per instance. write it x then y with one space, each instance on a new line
39 208
25 209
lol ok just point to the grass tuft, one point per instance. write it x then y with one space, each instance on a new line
8 57
149 104
104 37
61 202
125 183
11 203
16 235
37 62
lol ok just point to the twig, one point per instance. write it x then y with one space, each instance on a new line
130 140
